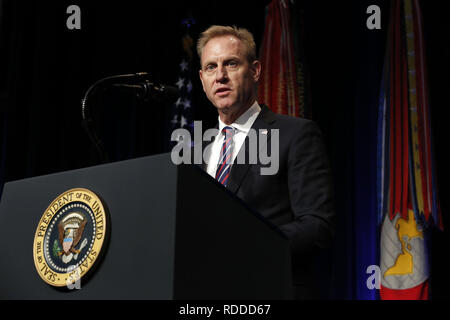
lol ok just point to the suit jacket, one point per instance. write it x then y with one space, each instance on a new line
298 198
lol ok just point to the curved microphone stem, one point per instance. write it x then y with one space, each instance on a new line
87 120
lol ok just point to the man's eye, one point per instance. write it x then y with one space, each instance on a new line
232 64
210 67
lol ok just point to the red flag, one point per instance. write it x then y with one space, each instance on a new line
411 192
278 86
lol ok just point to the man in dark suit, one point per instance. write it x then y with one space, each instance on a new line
297 195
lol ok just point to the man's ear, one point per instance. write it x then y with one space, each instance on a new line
256 67
201 79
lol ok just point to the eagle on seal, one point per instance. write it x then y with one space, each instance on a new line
70 231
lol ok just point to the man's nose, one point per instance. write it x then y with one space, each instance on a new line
221 74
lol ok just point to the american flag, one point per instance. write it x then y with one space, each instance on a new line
182 109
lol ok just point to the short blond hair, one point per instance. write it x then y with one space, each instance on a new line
241 33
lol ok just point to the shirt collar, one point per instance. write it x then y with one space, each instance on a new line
245 121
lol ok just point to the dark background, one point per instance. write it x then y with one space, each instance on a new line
45 69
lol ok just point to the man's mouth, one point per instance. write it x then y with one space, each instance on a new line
222 91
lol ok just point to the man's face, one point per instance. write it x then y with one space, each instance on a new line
227 77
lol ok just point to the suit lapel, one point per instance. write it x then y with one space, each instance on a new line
238 171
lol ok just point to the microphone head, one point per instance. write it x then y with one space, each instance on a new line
171 93
147 90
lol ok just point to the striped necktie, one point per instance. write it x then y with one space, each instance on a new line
224 165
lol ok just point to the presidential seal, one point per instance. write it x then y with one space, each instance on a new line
70 237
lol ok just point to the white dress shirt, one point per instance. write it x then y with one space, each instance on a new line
241 128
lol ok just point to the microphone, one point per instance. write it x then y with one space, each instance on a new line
136 83
148 90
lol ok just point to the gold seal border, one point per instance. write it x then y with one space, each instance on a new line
95 204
